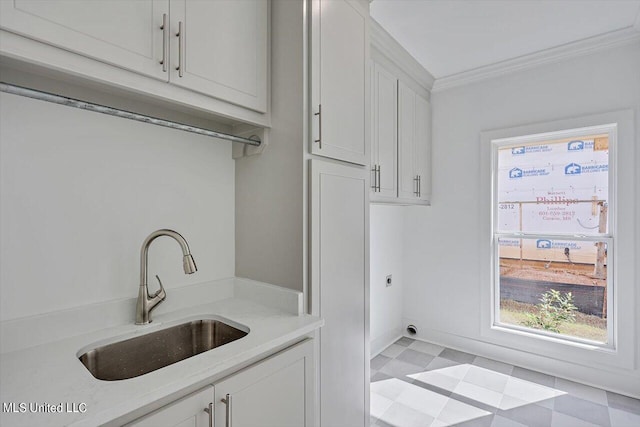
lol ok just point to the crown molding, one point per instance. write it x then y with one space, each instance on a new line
556 54
382 41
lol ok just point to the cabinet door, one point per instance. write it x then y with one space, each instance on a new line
277 392
423 148
385 130
222 50
186 412
127 34
340 75
339 289
407 186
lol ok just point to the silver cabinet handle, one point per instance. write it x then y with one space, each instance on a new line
227 402
375 178
419 186
416 184
379 175
165 32
209 410
319 114
180 35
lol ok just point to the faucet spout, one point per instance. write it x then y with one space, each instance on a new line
147 302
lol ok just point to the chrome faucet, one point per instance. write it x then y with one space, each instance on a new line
147 302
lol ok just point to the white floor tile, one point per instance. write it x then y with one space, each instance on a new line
457 371
480 394
508 402
437 379
486 378
528 391
379 405
457 412
390 388
423 400
400 415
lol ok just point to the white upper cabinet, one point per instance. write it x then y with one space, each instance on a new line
422 164
339 79
414 145
127 34
222 50
401 124
384 135
218 50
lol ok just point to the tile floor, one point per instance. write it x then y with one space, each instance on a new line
414 383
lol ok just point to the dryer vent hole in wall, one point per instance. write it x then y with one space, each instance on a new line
412 330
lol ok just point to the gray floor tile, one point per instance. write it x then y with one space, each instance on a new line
493 365
621 418
625 403
473 402
533 376
457 356
431 387
393 350
499 421
582 409
415 357
582 391
379 361
380 423
530 415
422 364
558 419
380 376
405 341
485 421
400 369
440 363
426 347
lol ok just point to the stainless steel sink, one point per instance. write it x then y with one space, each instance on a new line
143 354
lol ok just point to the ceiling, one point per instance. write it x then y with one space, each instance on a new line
453 36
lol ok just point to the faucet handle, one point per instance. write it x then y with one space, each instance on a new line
160 293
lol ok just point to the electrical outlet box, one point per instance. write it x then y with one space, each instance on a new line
389 281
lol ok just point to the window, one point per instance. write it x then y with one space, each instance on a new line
552 234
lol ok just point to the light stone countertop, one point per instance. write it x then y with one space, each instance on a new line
51 373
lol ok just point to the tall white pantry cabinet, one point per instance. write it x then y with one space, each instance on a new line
339 206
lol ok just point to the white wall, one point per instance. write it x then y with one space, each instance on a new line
386 257
80 191
269 186
442 282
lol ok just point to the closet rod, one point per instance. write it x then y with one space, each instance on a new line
76 103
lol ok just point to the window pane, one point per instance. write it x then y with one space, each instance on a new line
555 285
554 187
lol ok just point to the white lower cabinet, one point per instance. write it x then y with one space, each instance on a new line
275 392
186 412
339 290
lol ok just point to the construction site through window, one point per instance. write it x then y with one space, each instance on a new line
552 220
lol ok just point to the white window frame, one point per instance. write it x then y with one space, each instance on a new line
618 351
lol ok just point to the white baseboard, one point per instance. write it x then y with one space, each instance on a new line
378 344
